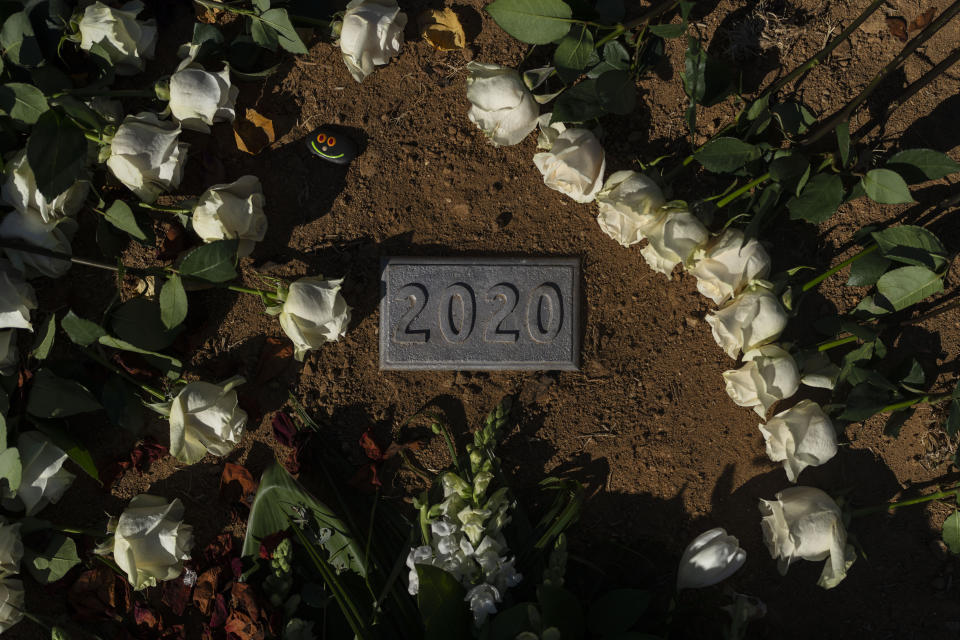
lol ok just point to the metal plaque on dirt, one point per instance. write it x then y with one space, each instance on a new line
480 313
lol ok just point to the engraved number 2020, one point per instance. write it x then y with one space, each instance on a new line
541 312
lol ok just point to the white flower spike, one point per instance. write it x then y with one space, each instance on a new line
800 437
712 557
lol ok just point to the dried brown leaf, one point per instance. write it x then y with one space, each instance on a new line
253 132
442 29
897 27
274 359
237 484
205 591
922 20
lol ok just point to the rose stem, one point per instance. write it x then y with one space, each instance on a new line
111 93
830 344
929 398
96 357
742 190
932 314
939 495
154 207
826 274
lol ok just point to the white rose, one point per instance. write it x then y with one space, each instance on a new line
16 299
11 547
11 602
802 436
483 600
43 479
672 240
549 131
145 155
500 104
151 540
728 265
199 98
769 374
371 34
313 313
228 211
20 192
9 355
28 227
804 523
750 320
127 41
574 165
205 417
712 557
629 204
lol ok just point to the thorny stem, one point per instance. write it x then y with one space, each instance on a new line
742 190
96 357
929 398
826 274
49 253
273 297
830 344
154 207
939 495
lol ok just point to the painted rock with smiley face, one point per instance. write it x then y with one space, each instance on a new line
331 145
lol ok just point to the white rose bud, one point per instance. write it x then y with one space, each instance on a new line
314 313
11 547
750 320
43 479
629 204
712 557
28 227
769 374
804 523
127 41
151 540
673 240
205 417
235 210
574 165
371 34
728 265
802 436
145 155
16 299
199 98
20 192
11 602
483 600
500 104
9 355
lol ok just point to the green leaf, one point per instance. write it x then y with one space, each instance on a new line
532 21
789 169
79 112
920 165
616 92
951 532
725 154
510 623
24 103
911 245
953 418
618 610
279 21
575 53
900 288
793 118
441 602
11 469
271 511
262 5
867 270
820 199
56 151
886 187
44 339
843 142
54 397
123 345
54 562
74 450
111 240
173 302
214 262
895 422
19 42
669 30
121 216
137 321
561 609
264 35
80 331
694 71
864 401
123 405
579 103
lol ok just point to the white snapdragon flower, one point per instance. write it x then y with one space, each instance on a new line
20 191
145 155
12 602
802 436
17 299
418 555
11 547
206 417
9 355
371 34
629 204
314 313
673 238
483 600
500 104
728 265
199 98
574 165
128 42
43 479
151 540
228 211
712 557
768 374
804 523
752 319
29 227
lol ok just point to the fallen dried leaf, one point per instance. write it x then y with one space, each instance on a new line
173 241
244 597
237 484
269 543
241 626
146 618
367 476
217 553
175 594
253 132
219 616
442 29
205 591
99 593
897 27
922 20
275 357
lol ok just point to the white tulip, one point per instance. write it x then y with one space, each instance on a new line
199 98
28 227
43 479
20 192
145 155
728 265
802 436
673 240
574 165
629 204
205 417
11 602
804 523
16 299
151 540
500 104
314 313
228 211
11 547
483 600
128 42
371 34
9 355
712 557
752 319
769 374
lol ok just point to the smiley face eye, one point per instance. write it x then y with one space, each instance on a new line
321 138
331 141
